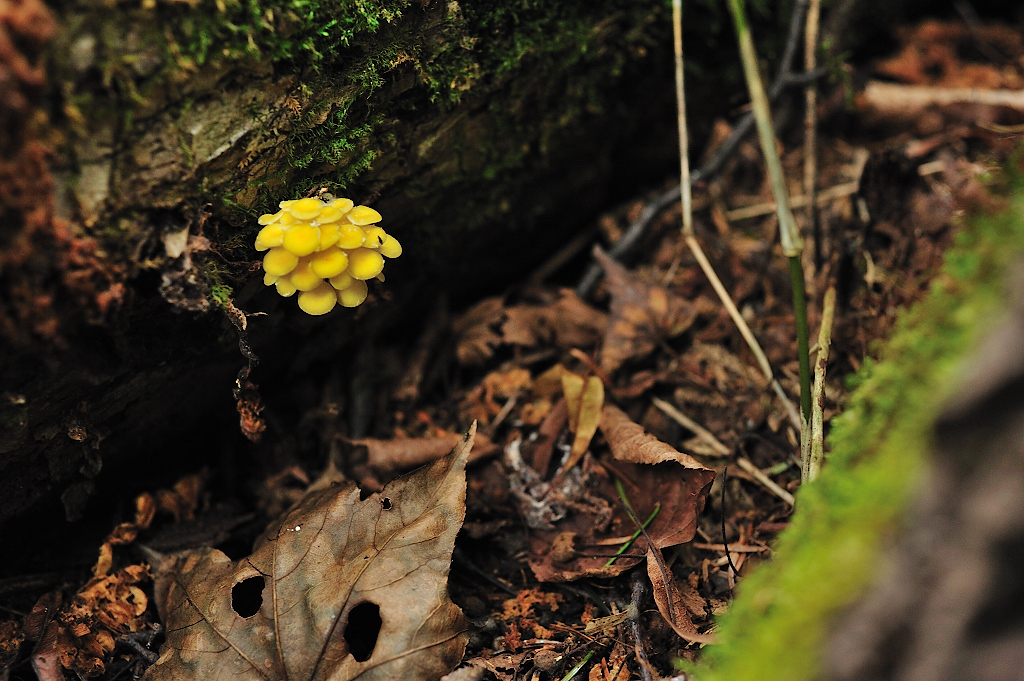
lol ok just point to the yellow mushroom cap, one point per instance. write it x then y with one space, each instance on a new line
365 263
306 209
324 250
329 213
342 281
279 262
320 300
285 288
390 248
304 278
329 263
270 236
363 215
269 218
350 236
354 295
301 239
374 236
344 205
329 236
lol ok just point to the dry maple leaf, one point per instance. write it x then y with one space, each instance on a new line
340 588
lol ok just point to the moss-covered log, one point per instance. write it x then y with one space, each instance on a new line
476 129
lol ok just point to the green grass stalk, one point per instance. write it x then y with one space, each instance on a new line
792 245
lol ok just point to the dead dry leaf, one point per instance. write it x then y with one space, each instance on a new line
475 332
630 442
11 638
386 456
652 473
670 602
642 314
568 322
340 588
584 404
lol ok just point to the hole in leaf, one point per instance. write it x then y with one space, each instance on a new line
386 503
247 596
362 629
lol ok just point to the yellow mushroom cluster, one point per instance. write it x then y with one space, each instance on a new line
325 251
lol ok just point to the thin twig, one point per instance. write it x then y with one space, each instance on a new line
816 454
688 423
767 482
685 195
821 198
634 622
725 542
736 548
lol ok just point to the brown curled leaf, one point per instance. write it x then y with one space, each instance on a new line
670 602
405 453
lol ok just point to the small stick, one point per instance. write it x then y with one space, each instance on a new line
725 543
768 483
634 622
688 423
741 548
821 198
812 463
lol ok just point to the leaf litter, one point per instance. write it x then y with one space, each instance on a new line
564 389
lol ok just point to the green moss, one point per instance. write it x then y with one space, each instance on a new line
221 294
880 446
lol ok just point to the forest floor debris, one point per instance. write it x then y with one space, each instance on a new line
616 428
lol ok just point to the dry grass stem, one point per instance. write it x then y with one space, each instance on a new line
767 482
811 121
822 198
688 423
814 450
688 233
896 99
